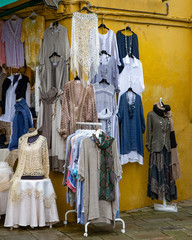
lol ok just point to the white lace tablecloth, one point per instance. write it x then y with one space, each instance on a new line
4 152
36 205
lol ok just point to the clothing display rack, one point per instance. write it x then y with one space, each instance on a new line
75 211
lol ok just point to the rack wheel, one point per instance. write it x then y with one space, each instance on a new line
85 234
65 222
123 230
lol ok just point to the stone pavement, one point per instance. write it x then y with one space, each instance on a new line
143 224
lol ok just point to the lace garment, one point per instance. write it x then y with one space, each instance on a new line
84 43
33 161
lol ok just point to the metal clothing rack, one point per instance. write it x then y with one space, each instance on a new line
75 211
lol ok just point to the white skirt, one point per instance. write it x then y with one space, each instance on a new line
35 206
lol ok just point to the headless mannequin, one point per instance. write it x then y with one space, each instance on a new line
32 140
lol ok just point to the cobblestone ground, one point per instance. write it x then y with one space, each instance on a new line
143 223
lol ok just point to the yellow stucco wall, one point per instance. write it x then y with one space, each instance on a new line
166 55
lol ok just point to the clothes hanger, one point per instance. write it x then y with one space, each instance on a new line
54 54
77 78
104 81
33 15
85 8
14 17
103 26
104 52
127 28
55 24
131 90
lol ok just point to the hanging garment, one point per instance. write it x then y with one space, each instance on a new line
132 124
107 70
55 71
78 105
107 174
37 88
96 210
3 76
132 76
84 43
160 178
105 98
108 42
11 34
5 174
2 47
33 161
55 40
127 45
14 87
32 35
22 121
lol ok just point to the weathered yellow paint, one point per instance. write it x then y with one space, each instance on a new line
166 55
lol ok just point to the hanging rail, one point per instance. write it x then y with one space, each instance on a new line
133 11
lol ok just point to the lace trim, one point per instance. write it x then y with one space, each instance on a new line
32 192
84 43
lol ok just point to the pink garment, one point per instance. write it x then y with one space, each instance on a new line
11 35
2 47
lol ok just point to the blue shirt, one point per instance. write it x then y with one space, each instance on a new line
132 47
131 128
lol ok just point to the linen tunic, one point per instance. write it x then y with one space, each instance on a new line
11 34
107 70
131 128
94 209
108 42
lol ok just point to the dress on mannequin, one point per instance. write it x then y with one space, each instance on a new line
160 181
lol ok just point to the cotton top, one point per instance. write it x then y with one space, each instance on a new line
131 49
158 133
107 70
32 32
105 97
89 173
131 128
108 42
11 34
132 76
55 40
2 47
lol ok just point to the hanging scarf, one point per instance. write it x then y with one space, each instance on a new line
107 175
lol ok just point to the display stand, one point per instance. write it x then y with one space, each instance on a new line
164 207
74 211
86 225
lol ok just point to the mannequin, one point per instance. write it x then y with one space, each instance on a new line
161 184
30 140
33 138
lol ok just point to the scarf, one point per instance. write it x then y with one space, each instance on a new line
107 175
47 99
159 111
